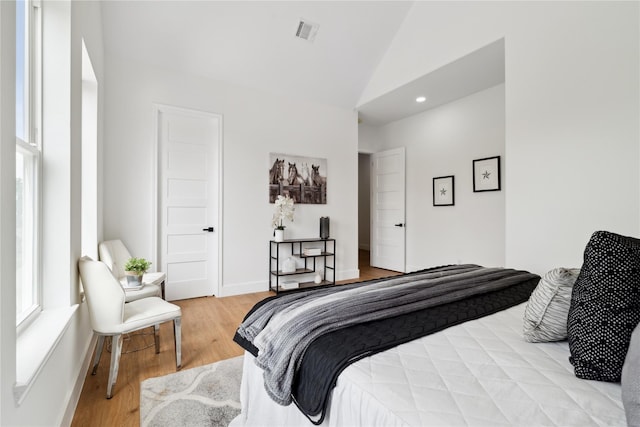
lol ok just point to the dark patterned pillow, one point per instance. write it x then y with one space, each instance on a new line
605 306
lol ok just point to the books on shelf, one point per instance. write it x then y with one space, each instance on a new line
289 284
312 251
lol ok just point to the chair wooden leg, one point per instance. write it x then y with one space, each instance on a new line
177 335
156 337
116 349
98 353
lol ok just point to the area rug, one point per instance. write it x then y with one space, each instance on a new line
205 396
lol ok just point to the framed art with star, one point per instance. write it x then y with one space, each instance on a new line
486 174
443 191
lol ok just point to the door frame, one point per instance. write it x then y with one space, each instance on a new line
155 170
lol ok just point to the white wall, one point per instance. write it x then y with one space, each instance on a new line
254 124
444 141
368 138
7 199
572 112
53 394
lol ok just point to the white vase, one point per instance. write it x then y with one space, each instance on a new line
317 279
279 235
289 265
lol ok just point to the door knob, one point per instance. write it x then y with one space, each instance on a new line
210 229
399 224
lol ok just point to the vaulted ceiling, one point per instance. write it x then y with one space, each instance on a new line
253 44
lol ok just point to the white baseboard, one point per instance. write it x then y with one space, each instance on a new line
348 274
74 397
228 290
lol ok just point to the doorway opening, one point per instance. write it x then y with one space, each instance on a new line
367 272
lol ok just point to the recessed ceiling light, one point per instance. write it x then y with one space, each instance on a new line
421 99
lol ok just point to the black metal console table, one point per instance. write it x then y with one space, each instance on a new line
298 246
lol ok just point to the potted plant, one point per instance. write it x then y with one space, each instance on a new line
284 210
134 268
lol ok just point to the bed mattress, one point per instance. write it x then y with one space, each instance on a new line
478 373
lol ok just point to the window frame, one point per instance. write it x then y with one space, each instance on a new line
32 150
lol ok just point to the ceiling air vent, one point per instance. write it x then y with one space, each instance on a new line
307 30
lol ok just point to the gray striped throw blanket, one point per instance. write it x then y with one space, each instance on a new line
283 327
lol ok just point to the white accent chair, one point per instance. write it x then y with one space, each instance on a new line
111 317
115 254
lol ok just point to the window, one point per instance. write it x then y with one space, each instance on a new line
28 159
89 217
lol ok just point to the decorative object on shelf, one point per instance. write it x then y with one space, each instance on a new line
443 191
134 268
311 251
324 227
290 284
317 279
289 265
284 210
486 174
304 179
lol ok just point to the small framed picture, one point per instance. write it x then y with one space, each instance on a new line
486 174
443 191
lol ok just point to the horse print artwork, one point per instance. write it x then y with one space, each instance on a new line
276 173
317 179
303 179
305 174
294 177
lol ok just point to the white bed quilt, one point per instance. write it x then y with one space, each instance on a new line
479 373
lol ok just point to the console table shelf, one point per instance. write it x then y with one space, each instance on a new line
297 247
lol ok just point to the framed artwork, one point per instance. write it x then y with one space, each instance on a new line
443 191
486 174
304 179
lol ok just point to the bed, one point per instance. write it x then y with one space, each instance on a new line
475 369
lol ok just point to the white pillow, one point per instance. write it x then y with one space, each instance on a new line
545 318
631 380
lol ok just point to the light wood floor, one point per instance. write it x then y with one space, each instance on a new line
208 326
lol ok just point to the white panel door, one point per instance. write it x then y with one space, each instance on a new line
189 144
388 210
